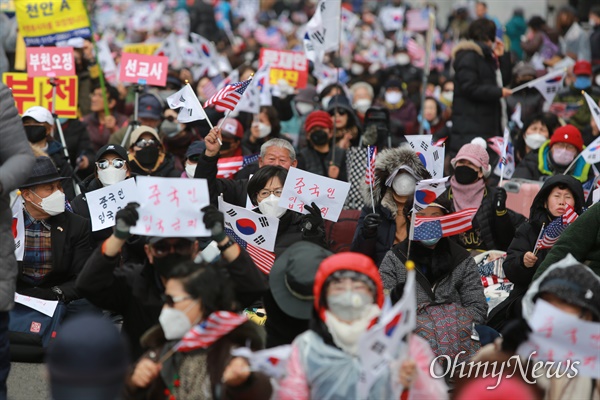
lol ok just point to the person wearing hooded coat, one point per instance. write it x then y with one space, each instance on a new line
396 173
346 125
347 300
521 264
150 160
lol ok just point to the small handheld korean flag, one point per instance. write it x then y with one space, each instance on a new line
427 191
548 85
191 109
430 154
18 229
591 154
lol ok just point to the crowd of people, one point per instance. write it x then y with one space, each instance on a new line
316 300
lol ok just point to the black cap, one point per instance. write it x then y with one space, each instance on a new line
112 148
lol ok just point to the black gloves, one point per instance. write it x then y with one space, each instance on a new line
500 201
514 334
370 225
126 218
215 221
312 221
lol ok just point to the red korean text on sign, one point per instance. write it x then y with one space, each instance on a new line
291 66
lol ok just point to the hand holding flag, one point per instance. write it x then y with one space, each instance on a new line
555 228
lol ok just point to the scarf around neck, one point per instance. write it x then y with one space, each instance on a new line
467 196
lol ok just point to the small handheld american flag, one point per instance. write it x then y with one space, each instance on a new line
448 225
555 228
229 96
370 173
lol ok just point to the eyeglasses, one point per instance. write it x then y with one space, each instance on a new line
182 247
117 163
171 301
338 111
146 142
266 193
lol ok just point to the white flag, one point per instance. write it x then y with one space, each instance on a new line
258 93
256 229
507 158
516 116
271 362
107 62
591 154
430 155
207 53
191 109
427 191
18 228
383 343
549 84
323 29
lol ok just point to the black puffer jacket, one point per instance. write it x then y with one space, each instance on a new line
476 109
166 169
524 241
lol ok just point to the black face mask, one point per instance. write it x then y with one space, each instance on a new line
35 133
165 265
319 138
465 175
147 156
225 146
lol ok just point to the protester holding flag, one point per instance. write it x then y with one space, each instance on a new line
477 108
494 225
530 99
555 156
440 262
523 255
348 296
147 155
198 324
396 173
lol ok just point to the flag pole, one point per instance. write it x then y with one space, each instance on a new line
535 250
411 232
200 105
530 83
572 163
427 67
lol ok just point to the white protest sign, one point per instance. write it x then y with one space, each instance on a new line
302 188
44 306
104 203
596 195
560 337
170 207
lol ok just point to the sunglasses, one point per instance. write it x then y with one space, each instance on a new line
338 111
146 142
194 158
117 163
171 301
182 247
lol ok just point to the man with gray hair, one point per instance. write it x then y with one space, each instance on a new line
362 98
273 152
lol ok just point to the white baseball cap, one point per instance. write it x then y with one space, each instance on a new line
40 114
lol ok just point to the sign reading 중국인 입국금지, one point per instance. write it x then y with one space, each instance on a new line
105 202
45 22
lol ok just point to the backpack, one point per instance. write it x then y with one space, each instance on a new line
339 235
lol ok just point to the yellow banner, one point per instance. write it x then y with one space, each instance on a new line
43 22
29 92
7 6
20 54
141 48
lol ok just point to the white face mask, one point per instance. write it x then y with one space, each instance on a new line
404 184
403 59
448 96
174 323
357 69
111 175
304 108
190 169
362 105
325 101
393 97
263 130
535 140
269 207
53 204
349 306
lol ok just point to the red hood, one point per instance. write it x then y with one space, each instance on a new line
347 261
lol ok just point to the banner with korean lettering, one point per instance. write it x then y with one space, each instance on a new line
170 207
29 92
45 22
104 203
141 48
143 69
50 61
291 66
303 188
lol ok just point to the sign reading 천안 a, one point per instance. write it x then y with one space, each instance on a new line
303 188
170 207
50 61
29 92
143 69
45 22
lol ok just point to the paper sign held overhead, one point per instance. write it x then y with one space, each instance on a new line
291 66
170 207
50 61
303 188
104 203
143 69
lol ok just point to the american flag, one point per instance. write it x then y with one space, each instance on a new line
229 166
370 175
263 259
229 96
448 225
555 228
210 87
415 52
217 325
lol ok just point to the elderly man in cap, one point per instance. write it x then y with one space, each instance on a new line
147 155
57 243
134 290
38 123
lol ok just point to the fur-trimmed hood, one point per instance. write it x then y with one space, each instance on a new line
386 162
467 45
